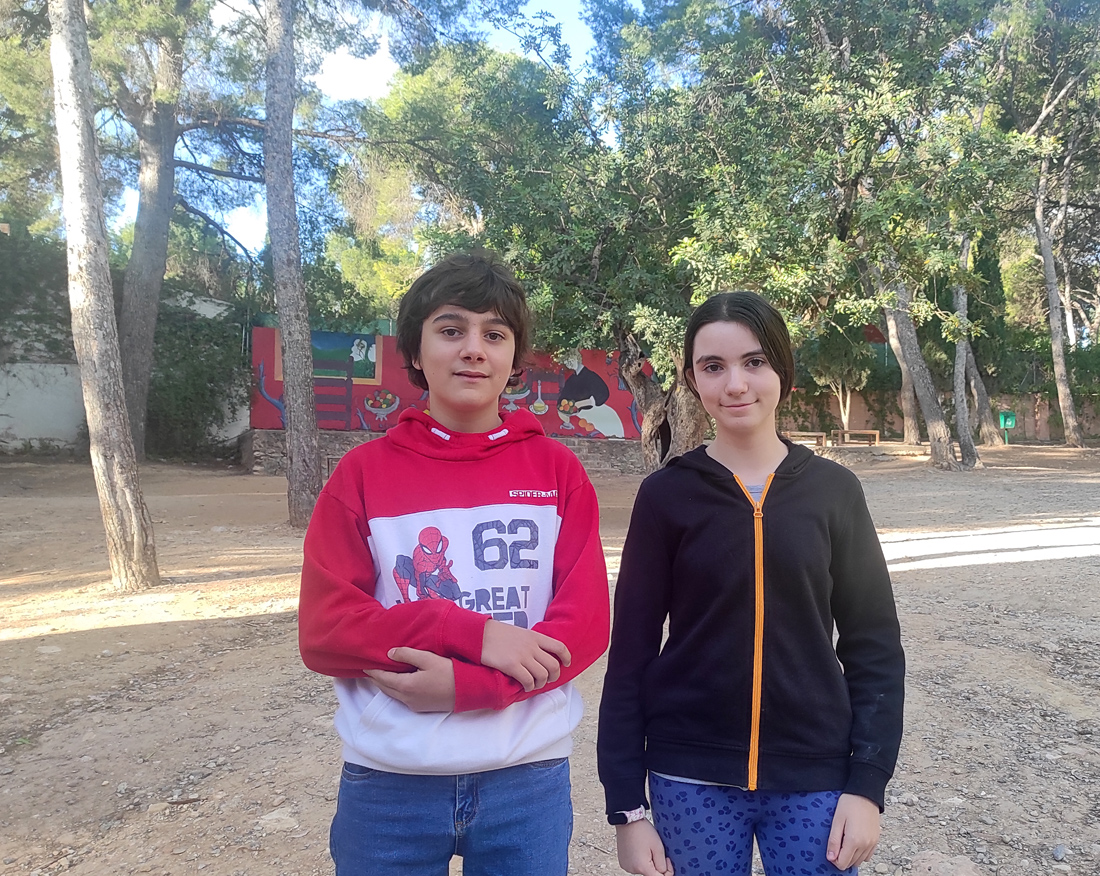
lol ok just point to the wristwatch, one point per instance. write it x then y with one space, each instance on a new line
630 817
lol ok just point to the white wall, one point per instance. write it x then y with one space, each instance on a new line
39 402
42 402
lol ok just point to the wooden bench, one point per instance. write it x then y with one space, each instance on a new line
855 436
815 438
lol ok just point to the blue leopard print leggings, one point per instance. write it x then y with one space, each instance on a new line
709 829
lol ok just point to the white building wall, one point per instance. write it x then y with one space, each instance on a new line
40 403
44 403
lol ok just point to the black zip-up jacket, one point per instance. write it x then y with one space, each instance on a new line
748 690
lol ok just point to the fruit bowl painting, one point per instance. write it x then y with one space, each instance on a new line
513 394
381 404
567 408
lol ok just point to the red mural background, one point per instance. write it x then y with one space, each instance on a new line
360 384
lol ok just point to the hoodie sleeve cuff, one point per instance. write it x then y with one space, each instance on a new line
868 781
476 687
463 635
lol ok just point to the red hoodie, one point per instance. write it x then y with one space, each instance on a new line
420 537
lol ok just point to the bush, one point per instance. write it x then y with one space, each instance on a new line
200 379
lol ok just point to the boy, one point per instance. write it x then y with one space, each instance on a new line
454 584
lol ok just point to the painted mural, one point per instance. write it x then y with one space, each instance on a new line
360 384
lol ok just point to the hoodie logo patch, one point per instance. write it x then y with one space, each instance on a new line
533 494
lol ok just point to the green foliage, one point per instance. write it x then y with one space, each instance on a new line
807 409
663 336
1084 365
838 359
28 161
200 379
508 153
34 306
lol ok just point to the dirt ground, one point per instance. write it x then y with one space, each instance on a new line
176 731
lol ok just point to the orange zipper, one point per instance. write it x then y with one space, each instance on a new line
758 637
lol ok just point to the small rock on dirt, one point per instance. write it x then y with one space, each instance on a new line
938 864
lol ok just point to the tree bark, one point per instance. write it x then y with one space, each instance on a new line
1067 298
157 129
967 449
673 422
910 424
686 418
988 428
153 115
303 457
939 437
126 521
1074 436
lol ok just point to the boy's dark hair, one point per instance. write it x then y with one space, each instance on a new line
760 318
479 281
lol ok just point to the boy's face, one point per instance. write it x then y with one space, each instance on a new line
466 358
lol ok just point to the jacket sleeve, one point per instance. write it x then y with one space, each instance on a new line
641 606
869 648
342 629
578 613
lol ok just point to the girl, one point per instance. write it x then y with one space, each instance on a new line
748 721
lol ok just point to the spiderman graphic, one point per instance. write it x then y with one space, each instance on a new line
428 571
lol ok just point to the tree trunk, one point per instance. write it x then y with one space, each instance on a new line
672 422
843 402
129 528
989 430
910 425
939 437
967 449
303 457
157 131
1067 299
1074 436
686 418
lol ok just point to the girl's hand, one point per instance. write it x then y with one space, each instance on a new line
855 832
641 850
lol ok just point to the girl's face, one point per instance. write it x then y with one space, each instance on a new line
735 381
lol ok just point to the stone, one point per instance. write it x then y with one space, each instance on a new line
157 808
939 864
1059 853
279 819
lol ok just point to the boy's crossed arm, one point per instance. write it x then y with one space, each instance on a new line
462 658
531 658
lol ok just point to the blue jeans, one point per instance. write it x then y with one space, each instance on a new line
709 829
515 821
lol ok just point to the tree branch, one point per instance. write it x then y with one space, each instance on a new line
209 220
1050 105
244 177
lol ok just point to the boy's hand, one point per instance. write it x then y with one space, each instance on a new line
855 831
431 688
533 659
641 850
